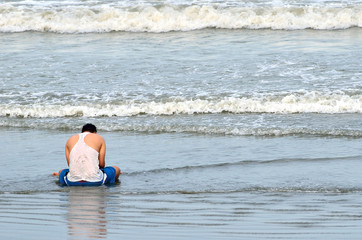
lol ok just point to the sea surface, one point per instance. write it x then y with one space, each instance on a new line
229 119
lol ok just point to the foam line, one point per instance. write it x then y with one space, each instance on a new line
72 18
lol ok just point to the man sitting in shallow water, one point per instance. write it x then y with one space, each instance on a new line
85 154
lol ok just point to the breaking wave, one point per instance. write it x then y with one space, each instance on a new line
73 18
312 102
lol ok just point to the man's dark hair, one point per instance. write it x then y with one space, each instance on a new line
89 128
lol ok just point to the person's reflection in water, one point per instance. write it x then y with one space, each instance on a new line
86 215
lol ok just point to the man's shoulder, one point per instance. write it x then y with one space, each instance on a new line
73 138
96 137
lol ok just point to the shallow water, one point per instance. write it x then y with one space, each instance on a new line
183 186
247 215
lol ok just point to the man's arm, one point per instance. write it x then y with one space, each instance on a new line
69 145
102 154
67 152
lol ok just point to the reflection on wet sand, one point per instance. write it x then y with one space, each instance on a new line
86 215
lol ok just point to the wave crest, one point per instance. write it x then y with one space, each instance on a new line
312 102
166 18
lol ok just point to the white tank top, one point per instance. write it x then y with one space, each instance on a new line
84 162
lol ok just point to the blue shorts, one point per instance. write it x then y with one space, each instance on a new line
110 178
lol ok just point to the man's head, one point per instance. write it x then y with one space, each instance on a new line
89 128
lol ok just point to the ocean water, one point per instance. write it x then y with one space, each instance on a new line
229 119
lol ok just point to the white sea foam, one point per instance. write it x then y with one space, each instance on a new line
311 102
72 18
